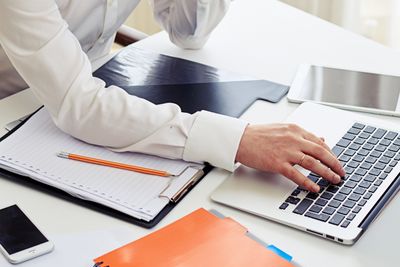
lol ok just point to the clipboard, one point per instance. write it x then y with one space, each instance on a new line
174 196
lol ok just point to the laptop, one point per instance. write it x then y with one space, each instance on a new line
369 150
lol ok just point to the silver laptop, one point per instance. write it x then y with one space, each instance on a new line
368 148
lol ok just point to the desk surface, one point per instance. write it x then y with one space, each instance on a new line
268 40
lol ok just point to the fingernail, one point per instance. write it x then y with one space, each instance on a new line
315 188
337 178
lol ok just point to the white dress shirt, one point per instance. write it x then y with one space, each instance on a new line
49 44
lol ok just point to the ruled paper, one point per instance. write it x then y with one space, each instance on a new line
32 150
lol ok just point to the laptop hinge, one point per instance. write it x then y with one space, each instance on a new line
380 204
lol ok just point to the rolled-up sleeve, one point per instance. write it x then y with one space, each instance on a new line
49 58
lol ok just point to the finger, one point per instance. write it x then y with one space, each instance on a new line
291 173
317 167
318 140
323 155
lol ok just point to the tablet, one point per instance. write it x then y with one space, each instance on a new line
360 91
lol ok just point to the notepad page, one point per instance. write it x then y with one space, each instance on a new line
32 149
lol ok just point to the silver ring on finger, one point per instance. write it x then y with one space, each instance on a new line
302 159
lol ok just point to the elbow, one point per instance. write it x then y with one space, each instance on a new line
187 41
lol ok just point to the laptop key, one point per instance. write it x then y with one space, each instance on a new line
354 131
345 224
316 208
369 178
362 202
345 190
321 202
384 160
365 184
351 216
343 143
355 178
369 129
360 191
359 141
351 137
366 165
326 195
368 146
336 219
355 146
380 165
391 135
358 158
329 210
349 204
376 154
312 195
323 183
292 200
372 189
349 170
373 141
353 164
375 172
393 163
303 206
378 182
332 189
384 142
371 159
364 135
334 204
367 195
321 217
357 209
394 148
354 197
350 184
358 125
380 148
296 192
388 169
379 133
344 211
389 154
361 172
383 176
337 150
283 206
348 152
339 197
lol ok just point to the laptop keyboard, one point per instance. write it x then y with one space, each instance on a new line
368 154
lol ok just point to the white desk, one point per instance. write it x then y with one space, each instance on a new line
268 40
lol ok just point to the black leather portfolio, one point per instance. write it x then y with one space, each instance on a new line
193 86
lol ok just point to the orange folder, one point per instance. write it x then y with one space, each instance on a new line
198 239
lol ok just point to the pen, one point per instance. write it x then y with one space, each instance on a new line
113 164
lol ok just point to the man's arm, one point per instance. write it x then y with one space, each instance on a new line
49 58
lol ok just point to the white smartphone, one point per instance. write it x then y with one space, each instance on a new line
347 89
20 239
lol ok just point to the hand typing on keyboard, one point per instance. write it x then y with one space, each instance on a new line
278 147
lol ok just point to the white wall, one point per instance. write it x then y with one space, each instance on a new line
142 19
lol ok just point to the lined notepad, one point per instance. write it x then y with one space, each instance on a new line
32 149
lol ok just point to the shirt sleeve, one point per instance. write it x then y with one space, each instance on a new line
49 58
189 22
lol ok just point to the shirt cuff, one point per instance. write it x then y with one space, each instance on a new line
214 138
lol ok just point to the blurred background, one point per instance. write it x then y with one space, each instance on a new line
378 20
